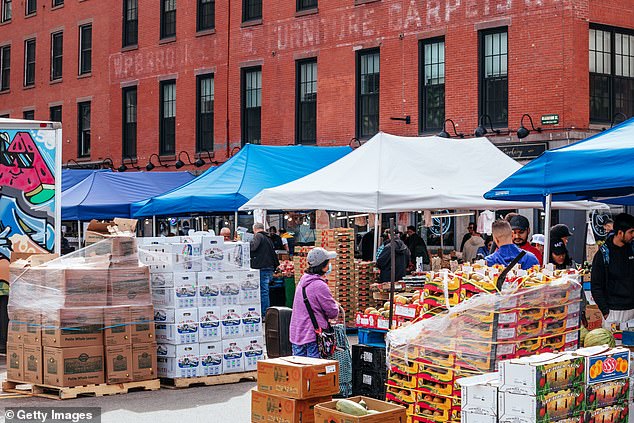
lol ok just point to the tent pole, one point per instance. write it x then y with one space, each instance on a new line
547 222
235 226
392 269
154 225
79 234
442 240
376 234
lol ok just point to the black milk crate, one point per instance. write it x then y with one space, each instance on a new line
369 383
369 358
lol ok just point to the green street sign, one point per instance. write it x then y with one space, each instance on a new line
550 119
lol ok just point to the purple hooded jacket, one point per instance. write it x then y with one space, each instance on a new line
321 301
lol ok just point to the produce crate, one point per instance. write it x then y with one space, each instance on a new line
372 337
369 358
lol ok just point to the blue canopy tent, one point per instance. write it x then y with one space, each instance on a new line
252 169
104 195
597 168
71 177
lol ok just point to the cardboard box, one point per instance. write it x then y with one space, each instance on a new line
232 356
15 362
81 287
129 286
545 407
33 334
176 361
186 256
17 326
231 324
74 366
73 327
210 329
249 287
617 413
603 364
181 295
208 291
298 377
142 329
541 373
33 364
387 412
229 289
473 417
117 322
253 351
118 364
480 394
211 358
251 320
144 366
594 317
605 394
161 280
182 328
267 408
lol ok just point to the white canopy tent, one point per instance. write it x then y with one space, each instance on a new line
391 174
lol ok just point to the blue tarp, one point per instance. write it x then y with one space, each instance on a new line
104 195
252 169
596 168
71 177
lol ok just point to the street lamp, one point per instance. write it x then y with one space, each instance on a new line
522 132
179 163
200 162
445 134
123 167
108 163
150 166
482 130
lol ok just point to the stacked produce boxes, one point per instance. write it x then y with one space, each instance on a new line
207 306
299 262
88 316
365 276
427 358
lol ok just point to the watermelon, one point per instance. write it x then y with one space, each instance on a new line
23 167
582 335
598 337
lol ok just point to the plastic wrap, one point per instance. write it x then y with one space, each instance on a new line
427 357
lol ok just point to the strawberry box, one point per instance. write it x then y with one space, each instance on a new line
617 413
538 374
604 394
543 407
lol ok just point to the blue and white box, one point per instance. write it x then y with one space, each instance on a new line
249 286
181 295
252 351
251 320
209 289
211 358
210 328
177 361
229 289
183 330
232 356
231 323
162 280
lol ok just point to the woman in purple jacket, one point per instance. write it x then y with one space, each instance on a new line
302 332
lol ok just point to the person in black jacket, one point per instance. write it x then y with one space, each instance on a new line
367 246
264 258
416 245
612 282
384 262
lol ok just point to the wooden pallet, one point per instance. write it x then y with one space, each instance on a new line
189 382
61 393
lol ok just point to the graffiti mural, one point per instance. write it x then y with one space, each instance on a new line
27 194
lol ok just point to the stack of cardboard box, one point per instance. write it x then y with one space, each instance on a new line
82 319
299 261
290 387
207 306
365 276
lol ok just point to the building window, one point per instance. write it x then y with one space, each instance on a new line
251 10
367 93
55 113
57 51
83 129
29 62
168 118
206 15
306 5
58 3
432 85
130 22
168 18
85 49
129 121
611 73
205 113
31 7
6 115
494 90
5 68
5 15
28 114
306 104
252 105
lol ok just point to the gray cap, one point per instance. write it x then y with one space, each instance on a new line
318 255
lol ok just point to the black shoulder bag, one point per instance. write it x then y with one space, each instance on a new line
326 341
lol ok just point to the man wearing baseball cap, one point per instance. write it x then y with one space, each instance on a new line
313 282
521 231
538 241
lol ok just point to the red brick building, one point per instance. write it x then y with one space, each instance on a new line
138 77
